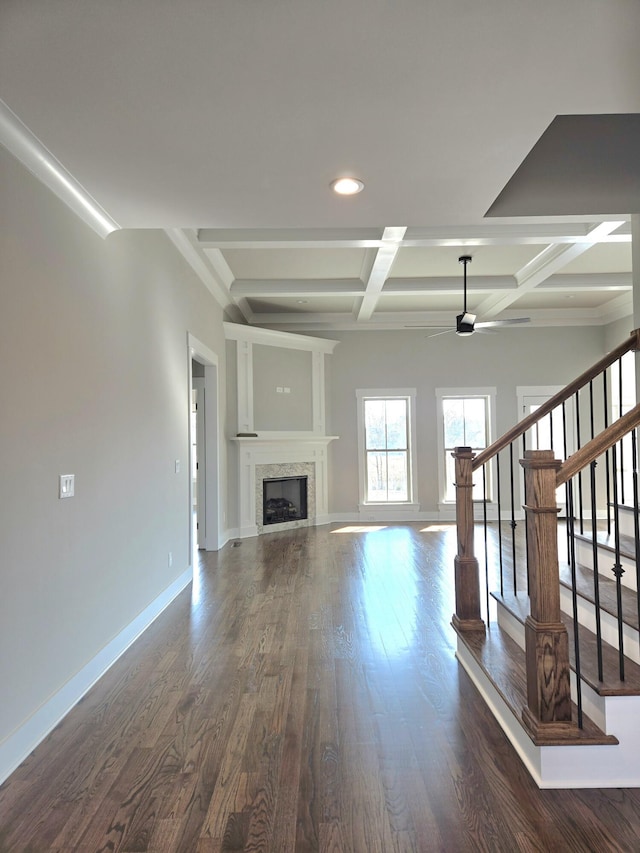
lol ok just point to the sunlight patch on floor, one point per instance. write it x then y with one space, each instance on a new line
360 528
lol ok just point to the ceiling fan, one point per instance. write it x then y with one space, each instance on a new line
466 322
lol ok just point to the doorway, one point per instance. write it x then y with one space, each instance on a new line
553 432
204 431
198 454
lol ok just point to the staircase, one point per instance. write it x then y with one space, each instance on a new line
556 653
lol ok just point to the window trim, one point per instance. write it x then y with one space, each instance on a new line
408 394
487 392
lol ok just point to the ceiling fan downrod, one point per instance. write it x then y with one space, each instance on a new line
464 260
465 321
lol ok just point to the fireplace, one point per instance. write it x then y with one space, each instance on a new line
284 499
262 459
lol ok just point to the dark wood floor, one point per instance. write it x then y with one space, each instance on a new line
304 695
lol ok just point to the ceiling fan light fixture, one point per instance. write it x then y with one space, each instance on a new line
347 186
465 324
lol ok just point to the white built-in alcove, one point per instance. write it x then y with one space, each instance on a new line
281 429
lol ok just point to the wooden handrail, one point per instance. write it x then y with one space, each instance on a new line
598 445
632 343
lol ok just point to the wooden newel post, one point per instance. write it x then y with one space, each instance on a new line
546 641
467 580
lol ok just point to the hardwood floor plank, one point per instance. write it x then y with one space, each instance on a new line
304 695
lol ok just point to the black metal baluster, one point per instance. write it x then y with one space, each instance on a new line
636 510
605 392
617 568
526 534
499 523
621 442
486 552
596 577
513 523
564 456
574 596
592 480
578 437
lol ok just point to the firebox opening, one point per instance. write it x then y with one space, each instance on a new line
284 499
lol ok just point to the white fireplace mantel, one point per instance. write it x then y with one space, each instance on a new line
286 449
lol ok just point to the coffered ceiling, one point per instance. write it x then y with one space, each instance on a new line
506 131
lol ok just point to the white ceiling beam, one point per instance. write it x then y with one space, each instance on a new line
442 285
490 234
445 284
411 321
385 256
302 318
553 258
585 281
483 234
267 288
289 238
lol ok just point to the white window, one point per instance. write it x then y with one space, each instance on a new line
465 419
386 429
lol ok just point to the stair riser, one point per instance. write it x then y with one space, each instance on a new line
592 704
608 623
625 522
584 556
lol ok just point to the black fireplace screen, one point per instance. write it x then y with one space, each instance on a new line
284 499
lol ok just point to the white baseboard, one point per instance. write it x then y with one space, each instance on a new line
227 536
18 745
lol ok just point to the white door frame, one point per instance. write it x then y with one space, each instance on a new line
198 385
199 352
543 393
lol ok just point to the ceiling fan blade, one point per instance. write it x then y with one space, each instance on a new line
437 334
513 322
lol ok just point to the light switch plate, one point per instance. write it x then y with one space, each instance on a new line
67 485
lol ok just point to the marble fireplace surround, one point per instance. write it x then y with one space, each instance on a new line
293 456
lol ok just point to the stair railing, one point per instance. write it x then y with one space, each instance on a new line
547 655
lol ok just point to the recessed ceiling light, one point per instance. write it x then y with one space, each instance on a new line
346 186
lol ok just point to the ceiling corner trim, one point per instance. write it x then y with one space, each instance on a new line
16 137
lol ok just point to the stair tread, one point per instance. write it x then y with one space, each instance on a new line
518 606
625 507
607 591
502 660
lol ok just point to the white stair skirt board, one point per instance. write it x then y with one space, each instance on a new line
607 766
15 748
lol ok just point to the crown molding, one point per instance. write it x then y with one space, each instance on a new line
27 148
271 337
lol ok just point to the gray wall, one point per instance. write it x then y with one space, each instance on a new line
401 359
276 367
94 382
